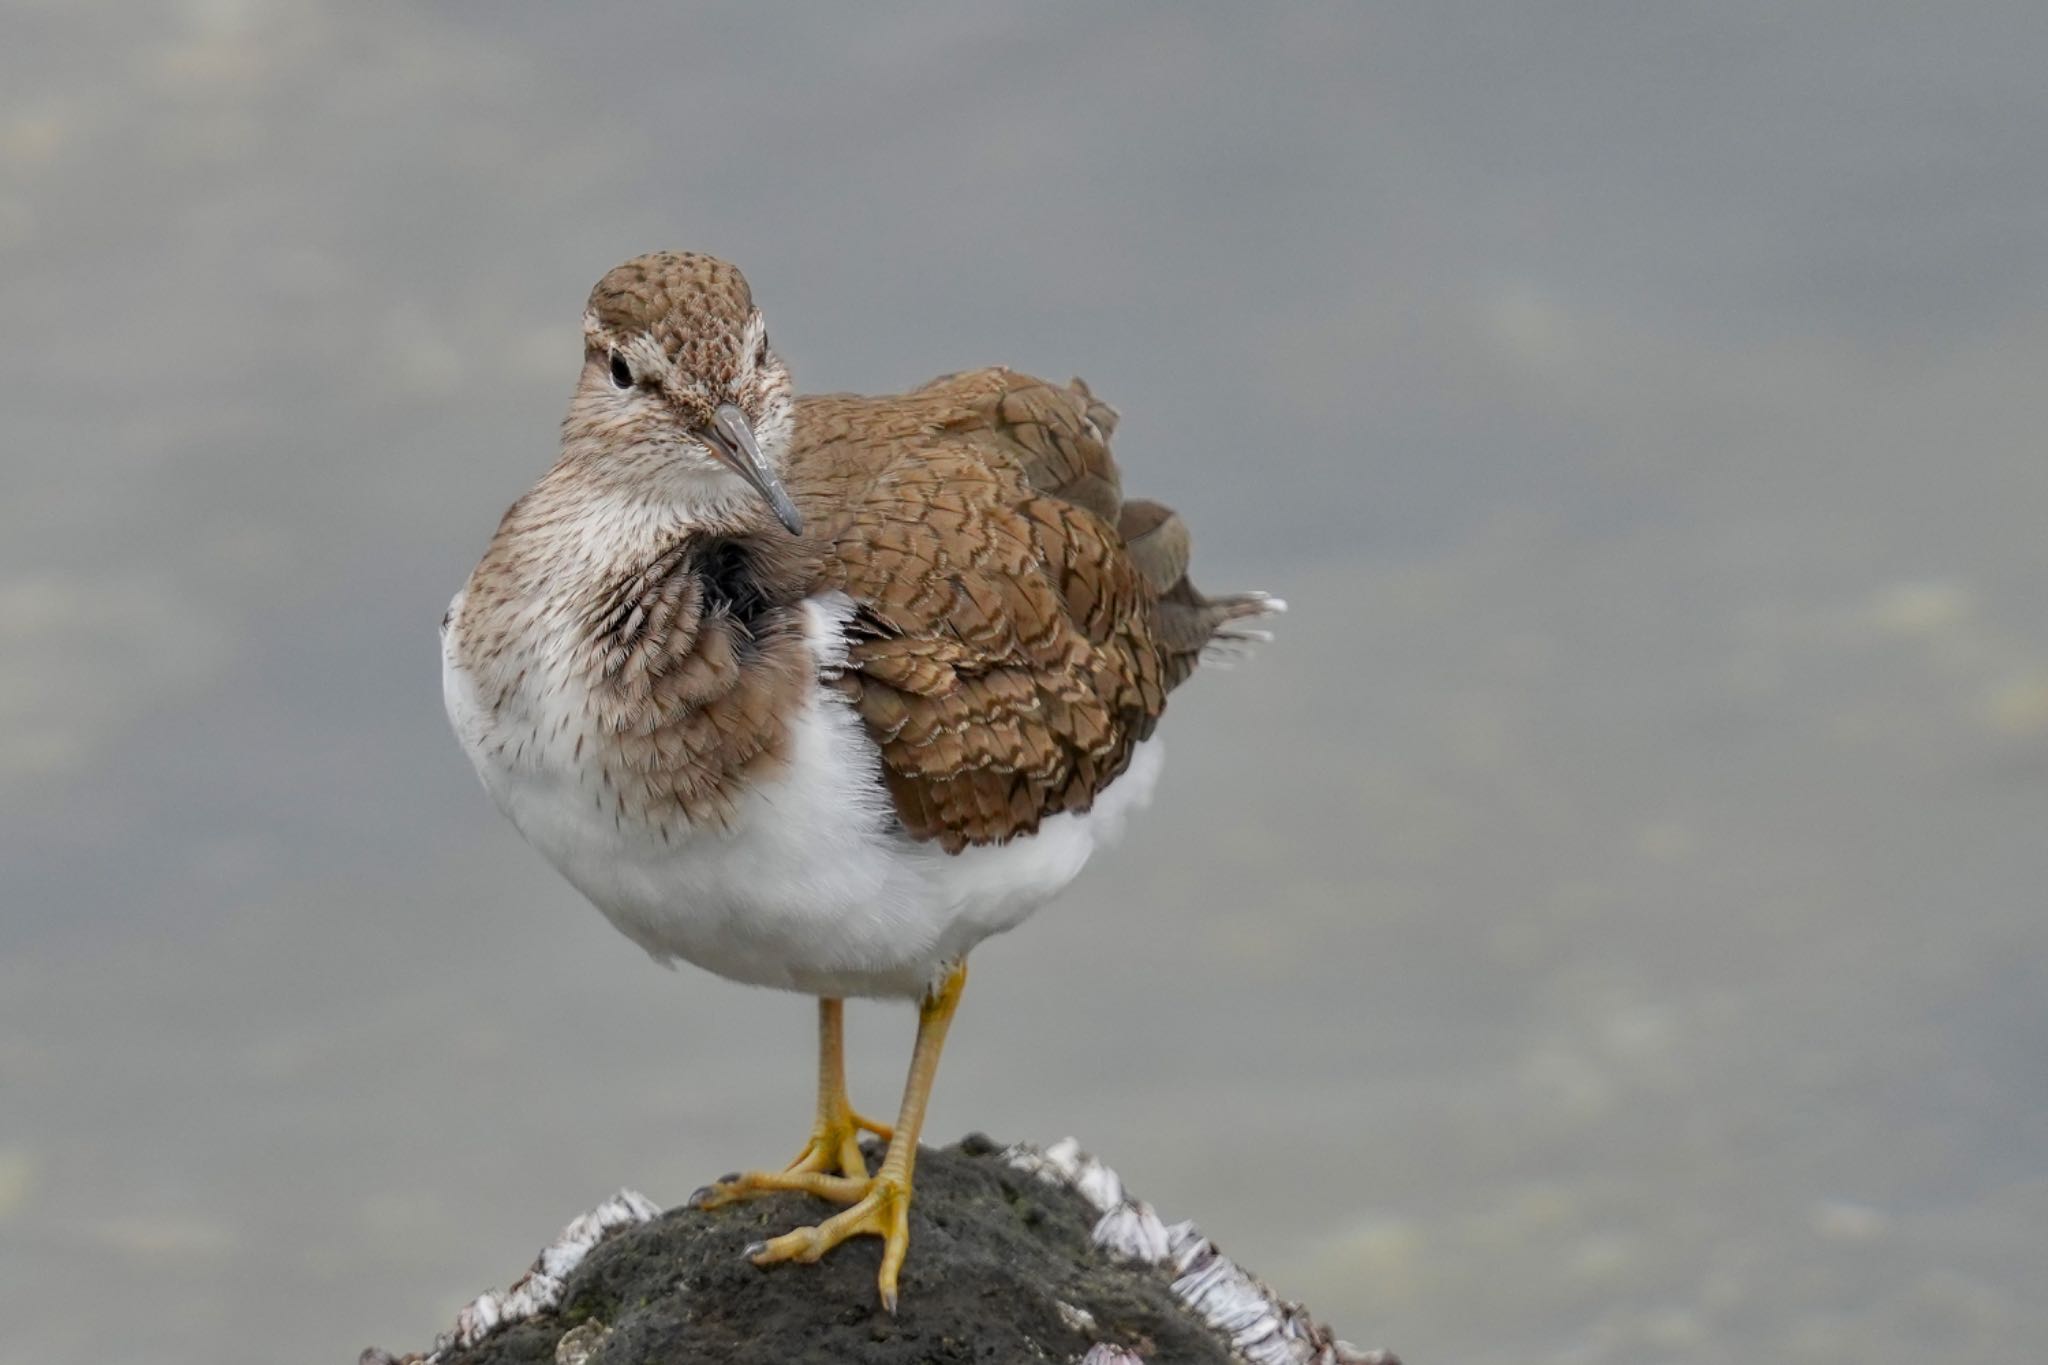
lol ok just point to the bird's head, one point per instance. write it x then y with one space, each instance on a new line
680 390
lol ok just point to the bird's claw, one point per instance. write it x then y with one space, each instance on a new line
882 1211
831 1166
840 1189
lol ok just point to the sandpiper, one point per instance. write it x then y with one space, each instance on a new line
818 693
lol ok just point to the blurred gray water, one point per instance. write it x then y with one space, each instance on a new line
1606 927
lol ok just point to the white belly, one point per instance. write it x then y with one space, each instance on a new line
812 887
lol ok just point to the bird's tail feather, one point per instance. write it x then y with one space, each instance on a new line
1192 627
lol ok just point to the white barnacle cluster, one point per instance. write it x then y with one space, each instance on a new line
1263 1328
540 1288
1106 1354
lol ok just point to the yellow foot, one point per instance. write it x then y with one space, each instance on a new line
883 1211
830 1166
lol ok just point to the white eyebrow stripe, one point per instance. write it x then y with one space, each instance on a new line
644 353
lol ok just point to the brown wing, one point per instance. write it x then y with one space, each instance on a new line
1020 625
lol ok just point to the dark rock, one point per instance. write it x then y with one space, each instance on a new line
1001 1269
1004 1267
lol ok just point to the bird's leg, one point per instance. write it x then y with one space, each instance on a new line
835 1132
831 1163
883 1209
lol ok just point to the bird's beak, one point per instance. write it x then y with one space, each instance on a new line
731 438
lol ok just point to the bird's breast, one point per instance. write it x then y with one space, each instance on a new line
805 881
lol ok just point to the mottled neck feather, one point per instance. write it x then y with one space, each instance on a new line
648 621
683 639
594 522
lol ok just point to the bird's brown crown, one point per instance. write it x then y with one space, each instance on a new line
695 307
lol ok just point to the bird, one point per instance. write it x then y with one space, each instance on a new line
819 692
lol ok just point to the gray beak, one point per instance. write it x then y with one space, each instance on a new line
731 438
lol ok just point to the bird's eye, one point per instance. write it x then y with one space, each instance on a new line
622 373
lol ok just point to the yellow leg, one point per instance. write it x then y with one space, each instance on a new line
831 1164
883 1209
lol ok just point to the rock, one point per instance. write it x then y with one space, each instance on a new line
1016 1254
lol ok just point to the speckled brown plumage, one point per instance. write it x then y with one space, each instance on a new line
1019 623
1013 645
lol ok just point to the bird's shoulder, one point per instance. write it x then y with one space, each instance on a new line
1004 655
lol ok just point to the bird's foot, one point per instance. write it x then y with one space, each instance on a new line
830 1166
883 1211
